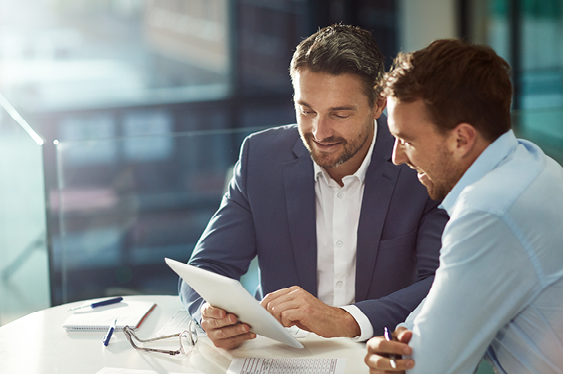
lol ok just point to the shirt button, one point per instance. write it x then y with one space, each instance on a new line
340 195
339 284
339 243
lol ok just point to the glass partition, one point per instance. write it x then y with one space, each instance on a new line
24 285
124 204
528 35
543 127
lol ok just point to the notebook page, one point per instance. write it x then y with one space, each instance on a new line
130 313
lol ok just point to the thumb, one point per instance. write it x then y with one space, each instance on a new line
403 334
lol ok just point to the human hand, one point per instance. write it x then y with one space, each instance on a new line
222 328
296 307
378 348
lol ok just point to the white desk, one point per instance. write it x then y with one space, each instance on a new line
37 343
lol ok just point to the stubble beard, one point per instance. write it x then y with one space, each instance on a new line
449 174
329 160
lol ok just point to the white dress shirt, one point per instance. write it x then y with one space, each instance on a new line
338 214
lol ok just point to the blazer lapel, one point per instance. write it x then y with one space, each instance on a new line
380 182
300 196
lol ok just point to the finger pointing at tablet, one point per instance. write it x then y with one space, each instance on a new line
223 328
296 307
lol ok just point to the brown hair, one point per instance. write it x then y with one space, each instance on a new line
341 49
459 83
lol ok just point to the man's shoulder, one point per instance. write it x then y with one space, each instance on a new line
279 141
507 185
278 134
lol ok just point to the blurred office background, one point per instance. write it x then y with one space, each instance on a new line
120 119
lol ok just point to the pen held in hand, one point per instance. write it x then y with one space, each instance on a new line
98 304
111 329
392 357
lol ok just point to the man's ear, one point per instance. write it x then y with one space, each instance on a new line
463 139
379 106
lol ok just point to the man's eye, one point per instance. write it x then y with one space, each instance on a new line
341 116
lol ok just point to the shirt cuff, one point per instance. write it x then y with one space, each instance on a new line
366 329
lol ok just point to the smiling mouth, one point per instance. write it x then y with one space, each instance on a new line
424 179
420 173
325 144
328 142
414 168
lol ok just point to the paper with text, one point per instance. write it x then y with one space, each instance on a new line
287 366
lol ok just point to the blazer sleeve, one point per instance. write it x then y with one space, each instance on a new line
227 245
393 308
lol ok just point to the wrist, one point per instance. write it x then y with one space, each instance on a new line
349 325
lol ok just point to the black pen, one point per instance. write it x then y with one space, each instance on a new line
392 357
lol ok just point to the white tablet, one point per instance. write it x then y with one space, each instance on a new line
229 295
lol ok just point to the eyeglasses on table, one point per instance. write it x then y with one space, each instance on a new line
188 340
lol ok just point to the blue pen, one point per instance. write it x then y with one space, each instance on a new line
98 304
109 333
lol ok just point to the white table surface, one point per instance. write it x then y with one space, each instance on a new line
37 343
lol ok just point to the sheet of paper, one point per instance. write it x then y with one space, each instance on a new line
108 370
287 366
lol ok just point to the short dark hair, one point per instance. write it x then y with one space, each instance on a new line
342 49
459 82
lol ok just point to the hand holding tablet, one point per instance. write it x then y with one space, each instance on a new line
223 328
229 295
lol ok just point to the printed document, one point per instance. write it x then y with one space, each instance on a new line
287 366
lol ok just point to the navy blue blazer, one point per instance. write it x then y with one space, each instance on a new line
269 211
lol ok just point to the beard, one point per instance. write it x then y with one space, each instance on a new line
446 176
329 160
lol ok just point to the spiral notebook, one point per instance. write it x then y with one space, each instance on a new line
131 313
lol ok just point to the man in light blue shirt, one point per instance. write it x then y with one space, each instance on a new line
498 292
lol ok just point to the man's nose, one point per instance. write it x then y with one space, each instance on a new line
322 128
399 155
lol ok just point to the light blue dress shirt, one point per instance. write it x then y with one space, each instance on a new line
499 289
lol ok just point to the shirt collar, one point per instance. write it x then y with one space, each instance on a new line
362 170
489 159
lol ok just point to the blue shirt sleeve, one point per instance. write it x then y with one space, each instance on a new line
474 294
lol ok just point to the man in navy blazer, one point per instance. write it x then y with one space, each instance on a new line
283 204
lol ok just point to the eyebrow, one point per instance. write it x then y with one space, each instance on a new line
337 108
